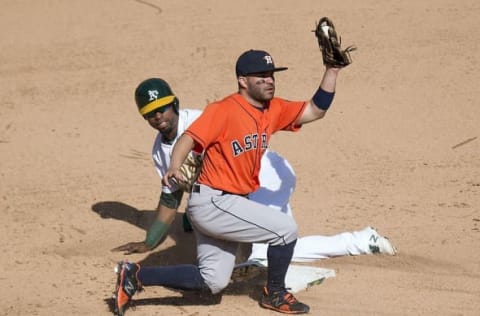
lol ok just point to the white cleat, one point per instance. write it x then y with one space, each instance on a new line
380 244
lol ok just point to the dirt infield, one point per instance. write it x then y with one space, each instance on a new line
399 149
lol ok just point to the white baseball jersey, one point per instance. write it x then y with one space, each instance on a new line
162 151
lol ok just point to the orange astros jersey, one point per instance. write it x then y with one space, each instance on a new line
234 135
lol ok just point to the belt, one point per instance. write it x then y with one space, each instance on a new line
196 189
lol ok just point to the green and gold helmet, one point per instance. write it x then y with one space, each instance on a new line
154 94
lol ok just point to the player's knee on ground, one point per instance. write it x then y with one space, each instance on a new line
216 270
216 280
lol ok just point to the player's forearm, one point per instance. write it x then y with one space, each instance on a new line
322 99
166 214
329 80
180 151
160 225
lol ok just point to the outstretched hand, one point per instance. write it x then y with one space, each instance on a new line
172 176
133 247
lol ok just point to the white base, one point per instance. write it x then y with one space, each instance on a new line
299 277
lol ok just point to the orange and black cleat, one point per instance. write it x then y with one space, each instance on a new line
127 285
283 302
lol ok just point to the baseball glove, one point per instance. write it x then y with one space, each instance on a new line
330 45
190 170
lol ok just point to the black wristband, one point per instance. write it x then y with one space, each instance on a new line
323 99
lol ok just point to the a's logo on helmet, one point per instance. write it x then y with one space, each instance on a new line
153 95
268 59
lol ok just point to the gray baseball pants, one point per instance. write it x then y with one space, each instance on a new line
221 221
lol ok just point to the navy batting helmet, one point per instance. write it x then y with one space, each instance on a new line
153 94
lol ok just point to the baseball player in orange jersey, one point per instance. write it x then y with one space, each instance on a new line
160 107
234 133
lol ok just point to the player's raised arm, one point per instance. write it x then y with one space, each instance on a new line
334 58
322 99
